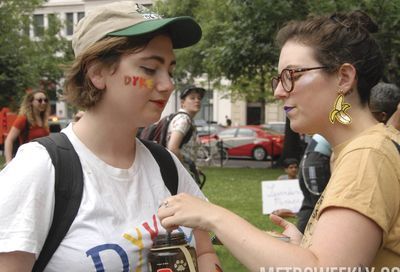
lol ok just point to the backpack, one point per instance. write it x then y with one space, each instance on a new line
158 131
69 187
23 138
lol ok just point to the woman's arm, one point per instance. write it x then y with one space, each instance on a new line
8 143
342 237
206 257
16 261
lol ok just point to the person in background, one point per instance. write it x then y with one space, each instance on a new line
181 135
122 78
291 168
314 174
383 102
31 122
327 67
228 121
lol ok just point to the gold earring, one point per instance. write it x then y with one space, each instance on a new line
339 111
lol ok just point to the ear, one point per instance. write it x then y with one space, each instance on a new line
96 75
347 76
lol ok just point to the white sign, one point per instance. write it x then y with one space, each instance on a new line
281 194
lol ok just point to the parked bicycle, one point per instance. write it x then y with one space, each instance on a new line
212 155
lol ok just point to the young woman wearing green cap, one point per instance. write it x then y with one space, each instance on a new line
122 78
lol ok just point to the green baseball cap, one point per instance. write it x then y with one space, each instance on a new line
128 18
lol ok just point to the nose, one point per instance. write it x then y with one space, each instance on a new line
279 92
165 84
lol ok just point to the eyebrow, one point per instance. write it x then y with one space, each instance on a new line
159 59
291 66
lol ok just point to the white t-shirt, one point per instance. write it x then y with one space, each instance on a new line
117 219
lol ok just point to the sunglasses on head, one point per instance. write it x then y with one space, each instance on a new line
42 100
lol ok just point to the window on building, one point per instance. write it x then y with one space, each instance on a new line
38 25
69 23
80 15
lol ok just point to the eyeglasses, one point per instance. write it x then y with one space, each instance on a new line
287 77
42 100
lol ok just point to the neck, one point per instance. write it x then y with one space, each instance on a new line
191 113
37 118
339 133
113 142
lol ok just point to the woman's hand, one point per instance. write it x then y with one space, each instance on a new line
290 229
186 210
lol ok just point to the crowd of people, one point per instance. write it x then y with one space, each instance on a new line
328 82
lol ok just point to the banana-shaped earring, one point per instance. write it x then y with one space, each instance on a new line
339 111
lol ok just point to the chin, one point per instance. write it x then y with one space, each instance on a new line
299 127
153 119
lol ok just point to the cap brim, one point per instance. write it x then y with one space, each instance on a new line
184 31
198 90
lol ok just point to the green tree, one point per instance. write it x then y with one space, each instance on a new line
386 13
237 43
24 62
238 37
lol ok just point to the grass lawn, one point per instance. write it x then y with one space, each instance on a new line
239 190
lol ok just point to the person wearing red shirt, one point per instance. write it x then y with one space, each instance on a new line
31 123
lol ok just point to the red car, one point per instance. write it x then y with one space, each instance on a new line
248 141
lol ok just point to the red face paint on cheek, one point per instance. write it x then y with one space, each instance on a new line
127 80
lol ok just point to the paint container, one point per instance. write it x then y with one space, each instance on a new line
171 253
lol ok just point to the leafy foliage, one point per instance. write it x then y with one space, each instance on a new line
238 42
238 37
26 63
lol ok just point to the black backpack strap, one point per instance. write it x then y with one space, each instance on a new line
166 163
68 193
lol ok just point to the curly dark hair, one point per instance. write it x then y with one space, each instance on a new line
341 38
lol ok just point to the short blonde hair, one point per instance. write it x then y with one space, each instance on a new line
78 88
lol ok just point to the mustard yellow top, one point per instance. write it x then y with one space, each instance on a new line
366 178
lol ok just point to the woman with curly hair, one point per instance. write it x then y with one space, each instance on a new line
327 67
31 123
